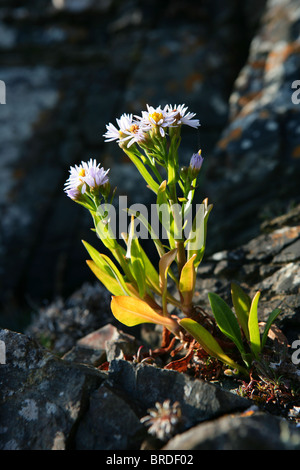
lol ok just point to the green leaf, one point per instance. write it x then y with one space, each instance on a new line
176 227
138 267
269 323
106 235
253 327
189 191
131 312
104 263
153 235
135 263
108 280
140 165
196 240
187 280
103 230
149 272
94 254
226 320
164 212
242 303
208 343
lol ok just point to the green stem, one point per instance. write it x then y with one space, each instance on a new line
181 256
143 171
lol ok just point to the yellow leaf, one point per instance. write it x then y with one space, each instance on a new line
107 279
164 263
131 312
188 280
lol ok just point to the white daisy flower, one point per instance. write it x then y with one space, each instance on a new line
76 180
135 133
124 123
95 175
129 130
156 118
73 193
182 117
87 174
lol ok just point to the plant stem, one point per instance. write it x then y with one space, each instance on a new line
181 256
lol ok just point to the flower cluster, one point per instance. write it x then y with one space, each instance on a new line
85 178
135 129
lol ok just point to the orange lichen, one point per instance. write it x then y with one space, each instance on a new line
258 64
245 99
192 80
264 114
296 152
290 234
279 56
247 413
235 134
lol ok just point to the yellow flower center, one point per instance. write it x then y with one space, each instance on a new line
156 116
134 128
81 172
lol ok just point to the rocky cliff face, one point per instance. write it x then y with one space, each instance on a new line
69 68
83 337
258 152
72 67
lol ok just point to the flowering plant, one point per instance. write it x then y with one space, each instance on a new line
140 291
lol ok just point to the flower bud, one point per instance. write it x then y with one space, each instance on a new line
196 162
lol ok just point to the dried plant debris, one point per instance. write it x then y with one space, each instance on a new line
163 420
275 384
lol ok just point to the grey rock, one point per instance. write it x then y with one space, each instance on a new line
288 254
248 431
289 219
91 349
62 323
285 280
121 346
271 244
260 143
105 344
79 6
110 423
42 397
146 385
